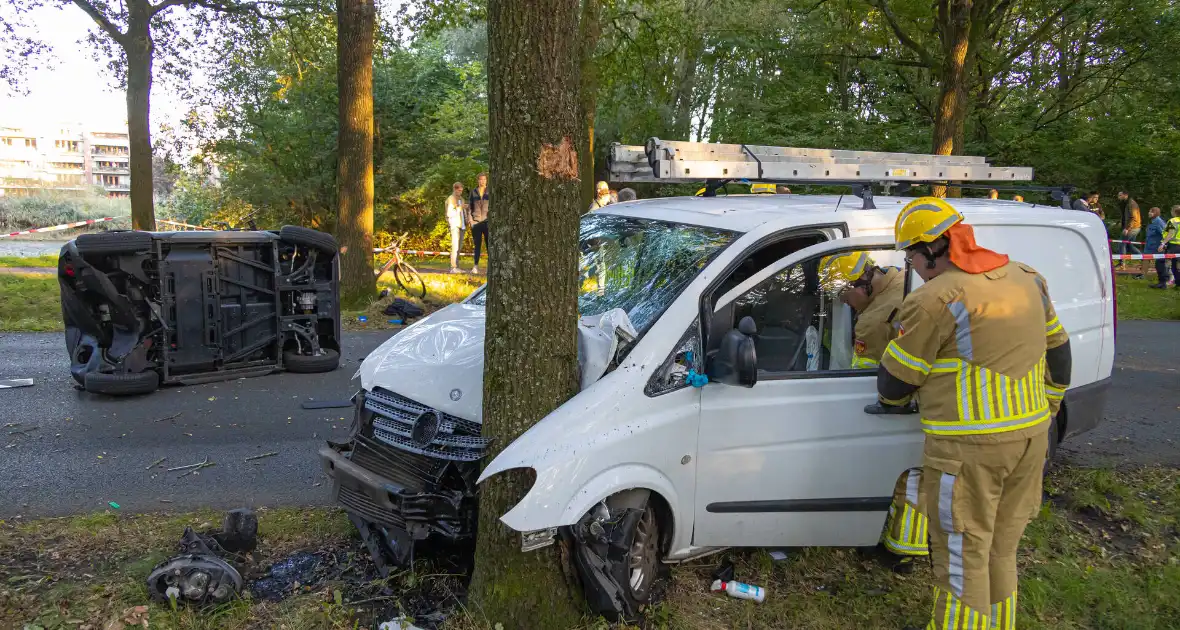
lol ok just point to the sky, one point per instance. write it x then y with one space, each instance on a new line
73 86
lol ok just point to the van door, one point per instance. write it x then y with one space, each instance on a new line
794 460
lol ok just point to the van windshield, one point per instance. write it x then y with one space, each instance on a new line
639 265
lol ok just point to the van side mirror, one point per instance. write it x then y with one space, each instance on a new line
736 361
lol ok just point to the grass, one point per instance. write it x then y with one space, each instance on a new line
47 260
441 289
31 302
1137 301
1104 553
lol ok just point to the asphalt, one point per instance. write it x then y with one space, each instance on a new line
70 451
82 451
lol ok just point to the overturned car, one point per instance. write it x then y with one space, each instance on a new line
145 308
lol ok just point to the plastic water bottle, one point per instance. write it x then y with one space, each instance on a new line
740 590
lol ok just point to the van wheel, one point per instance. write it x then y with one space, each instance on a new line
619 559
307 237
122 384
1053 438
110 243
638 573
326 361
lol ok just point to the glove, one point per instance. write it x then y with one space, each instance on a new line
882 409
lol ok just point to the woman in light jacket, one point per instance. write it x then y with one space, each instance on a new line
456 218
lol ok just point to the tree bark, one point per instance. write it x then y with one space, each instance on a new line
356 20
531 336
955 35
590 29
140 51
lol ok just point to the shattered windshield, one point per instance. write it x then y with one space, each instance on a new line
639 265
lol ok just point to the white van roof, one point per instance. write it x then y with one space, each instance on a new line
744 213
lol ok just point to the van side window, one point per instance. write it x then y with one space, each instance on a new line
831 312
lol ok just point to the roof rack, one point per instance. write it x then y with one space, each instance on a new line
683 162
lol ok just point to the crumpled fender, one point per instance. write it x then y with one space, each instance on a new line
582 453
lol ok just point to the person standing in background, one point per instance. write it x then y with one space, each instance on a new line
1155 238
1171 242
1130 223
602 196
627 194
457 220
477 217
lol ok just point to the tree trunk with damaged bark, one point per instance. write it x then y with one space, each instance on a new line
531 336
356 20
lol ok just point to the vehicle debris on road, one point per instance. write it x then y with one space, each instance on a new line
13 383
254 457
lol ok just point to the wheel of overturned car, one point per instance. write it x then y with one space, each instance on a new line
309 238
108 243
326 361
121 384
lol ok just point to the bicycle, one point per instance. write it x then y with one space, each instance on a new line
403 272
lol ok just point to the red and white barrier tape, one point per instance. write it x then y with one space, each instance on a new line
1115 240
63 226
1143 256
195 227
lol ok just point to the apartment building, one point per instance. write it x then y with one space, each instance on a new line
64 158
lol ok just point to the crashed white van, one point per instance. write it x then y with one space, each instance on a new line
651 463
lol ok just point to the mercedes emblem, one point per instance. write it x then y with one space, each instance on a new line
426 427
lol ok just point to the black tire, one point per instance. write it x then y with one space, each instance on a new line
327 361
108 243
410 280
306 237
122 384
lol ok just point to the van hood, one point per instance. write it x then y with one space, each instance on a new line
437 362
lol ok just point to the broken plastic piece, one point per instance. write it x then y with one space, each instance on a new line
198 576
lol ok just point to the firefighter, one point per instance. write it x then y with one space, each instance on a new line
981 348
876 294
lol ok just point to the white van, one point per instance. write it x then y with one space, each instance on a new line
664 471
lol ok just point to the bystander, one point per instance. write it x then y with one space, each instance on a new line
1129 223
627 194
1171 243
477 218
457 220
1155 238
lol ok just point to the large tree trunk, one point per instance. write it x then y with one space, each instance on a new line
590 29
531 337
140 50
955 35
354 178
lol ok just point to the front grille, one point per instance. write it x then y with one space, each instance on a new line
414 472
393 423
359 503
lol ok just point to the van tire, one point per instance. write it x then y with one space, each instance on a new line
307 237
111 243
122 384
1054 438
311 363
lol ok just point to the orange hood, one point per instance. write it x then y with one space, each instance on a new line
968 255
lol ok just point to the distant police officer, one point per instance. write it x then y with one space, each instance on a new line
876 294
981 348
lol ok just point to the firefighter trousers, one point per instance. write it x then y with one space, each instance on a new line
906 526
979 495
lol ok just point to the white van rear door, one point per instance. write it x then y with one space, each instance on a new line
794 460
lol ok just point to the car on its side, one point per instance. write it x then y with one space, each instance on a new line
145 308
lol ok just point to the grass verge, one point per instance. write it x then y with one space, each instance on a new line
1102 554
441 289
31 302
47 260
1136 300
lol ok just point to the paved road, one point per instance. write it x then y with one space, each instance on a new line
47 474
28 247
85 450
1142 423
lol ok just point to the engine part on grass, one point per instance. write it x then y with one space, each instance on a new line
198 576
740 590
239 531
